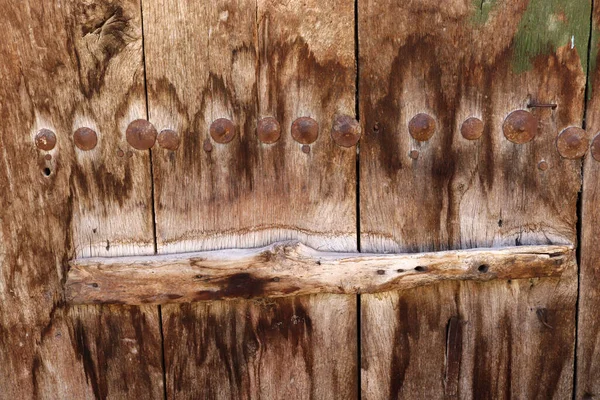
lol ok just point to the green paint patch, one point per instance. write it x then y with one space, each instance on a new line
482 13
547 25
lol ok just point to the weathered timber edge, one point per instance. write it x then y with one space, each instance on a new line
291 269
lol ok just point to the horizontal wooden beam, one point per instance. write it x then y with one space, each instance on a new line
291 268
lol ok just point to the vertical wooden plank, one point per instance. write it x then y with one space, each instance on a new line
588 348
243 61
484 60
65 66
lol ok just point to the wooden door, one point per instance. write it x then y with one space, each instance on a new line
153 128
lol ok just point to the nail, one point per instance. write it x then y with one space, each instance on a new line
207 146
45 139
472 128
222 130
595 147
572 143
268 130
168 139
305 148
305 130
421 127
141 134
85 138
414 154
120 153
520 126
543 165
346 131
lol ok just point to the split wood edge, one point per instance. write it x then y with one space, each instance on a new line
292 269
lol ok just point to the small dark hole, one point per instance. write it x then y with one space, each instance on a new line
420 269
275 279
500 223
318 262
399 270
47 171
198 277
483 268
380 272
94 284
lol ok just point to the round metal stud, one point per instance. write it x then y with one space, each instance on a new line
595 147
85 138
572 143
414 154
472 128
305 130
207 145
141 134
45 139
168 139
346 131
543 165
421 127
222 130
305 148
520 126
268 130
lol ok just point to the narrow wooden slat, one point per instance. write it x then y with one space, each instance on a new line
289 269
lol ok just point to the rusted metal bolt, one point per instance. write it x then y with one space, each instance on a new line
85 138
305 130
268 130
207 146
222 130
414 154
346 131
141 134
305 148
45 139
520 126
48 157
595 147
572 143
421 127
472 128
543 165
168 139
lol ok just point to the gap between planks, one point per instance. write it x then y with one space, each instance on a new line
291 269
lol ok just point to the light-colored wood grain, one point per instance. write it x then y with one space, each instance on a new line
587 384
66 65
244 60
293 269
469 59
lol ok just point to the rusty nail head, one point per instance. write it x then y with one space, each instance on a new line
305 148
85 138
520 126
421 127
346 131
595 147
543 165
141 134
207 146
414 154
305 130
120 153
268 130
472 128
222 130
45 139
168 139
572 143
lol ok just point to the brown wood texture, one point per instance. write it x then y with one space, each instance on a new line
66 65
587 384
485 60
243 61
293 269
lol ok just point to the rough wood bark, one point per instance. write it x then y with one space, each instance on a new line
66 65
465 60
588 332
292 269
246 60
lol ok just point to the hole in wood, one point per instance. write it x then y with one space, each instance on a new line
46 171
380 272
483 268
420 269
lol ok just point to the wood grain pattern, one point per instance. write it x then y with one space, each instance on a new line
293 269
587 385
245 60
67 65
484 60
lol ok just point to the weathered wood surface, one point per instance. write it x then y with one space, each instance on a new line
293 269
244 61
66 65
485 60
587 384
